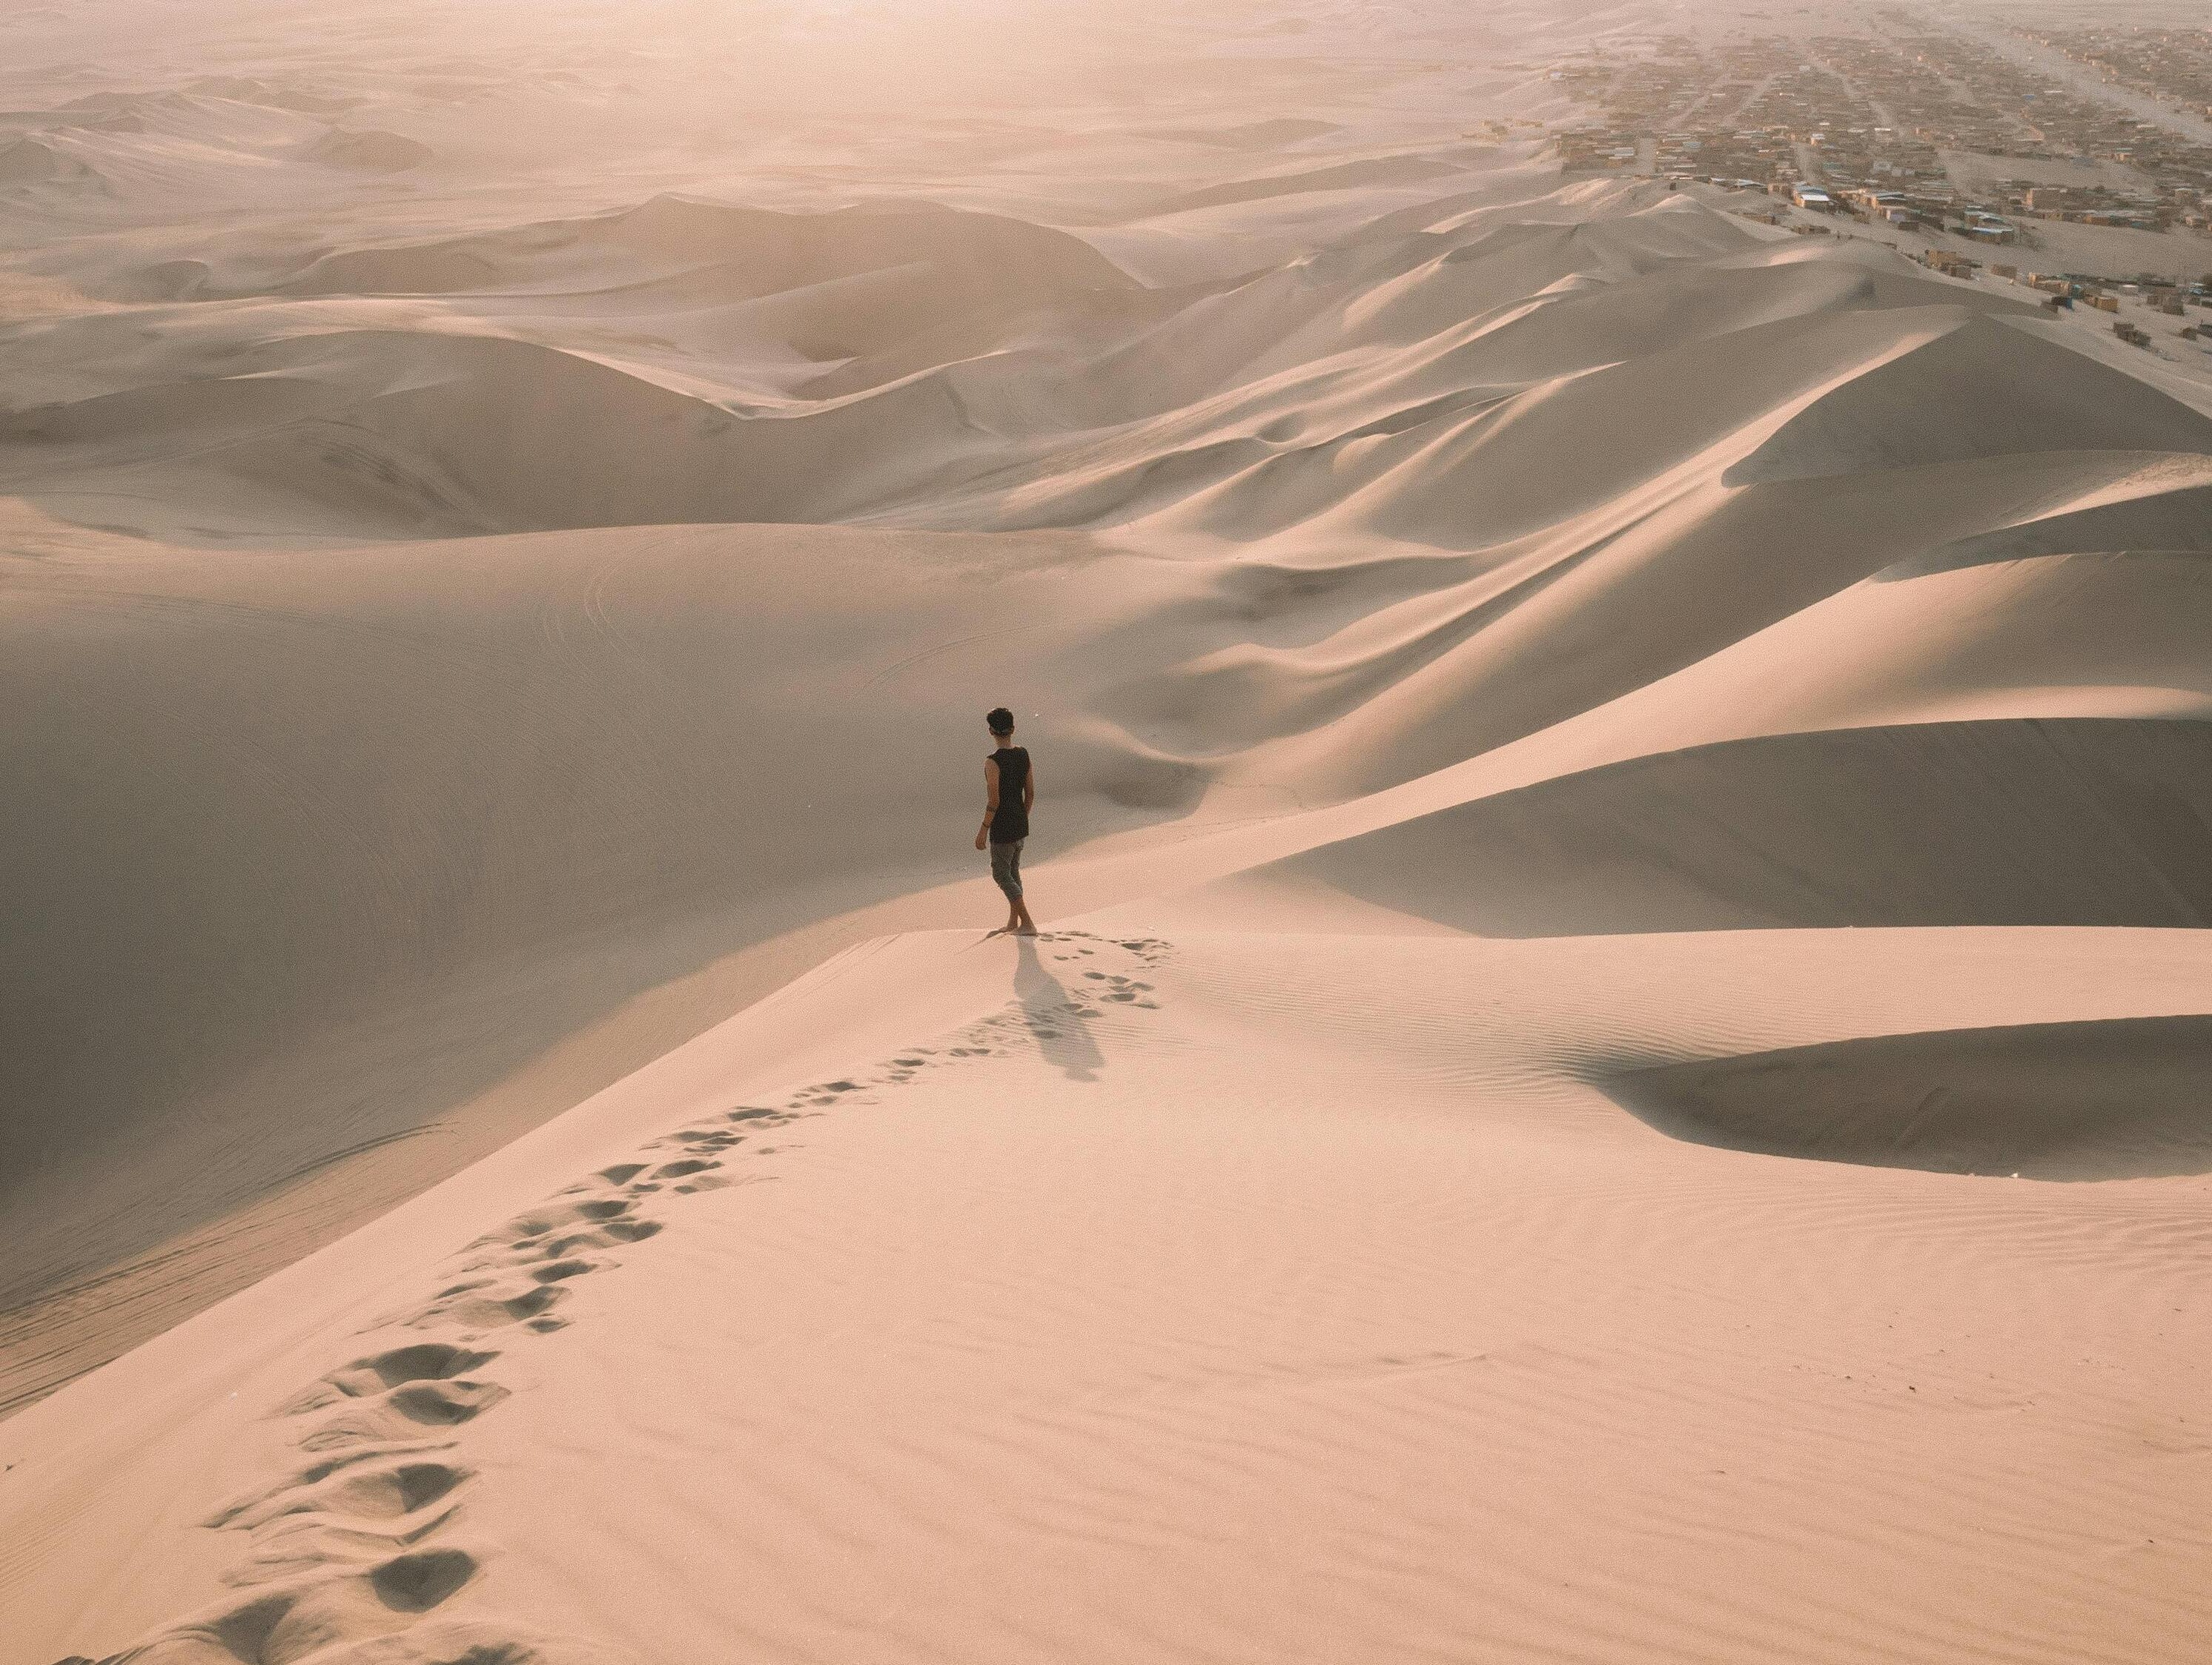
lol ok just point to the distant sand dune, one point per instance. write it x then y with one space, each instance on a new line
1342 176
2022 397
382 152
2044 823
1252 135
1459 390
766 251
29 163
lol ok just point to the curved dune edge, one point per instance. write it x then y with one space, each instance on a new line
2096 1101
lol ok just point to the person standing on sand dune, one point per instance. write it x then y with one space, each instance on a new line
1009 785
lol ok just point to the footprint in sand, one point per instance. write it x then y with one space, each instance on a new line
706 1139
281 1625
425 1362
415 1410
474 1308
358 1485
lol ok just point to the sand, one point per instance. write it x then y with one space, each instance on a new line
1615 1072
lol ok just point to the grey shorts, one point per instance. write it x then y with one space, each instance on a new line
1007 867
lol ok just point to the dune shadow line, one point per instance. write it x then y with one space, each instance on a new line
2123 1098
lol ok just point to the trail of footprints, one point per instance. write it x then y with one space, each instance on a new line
355 1549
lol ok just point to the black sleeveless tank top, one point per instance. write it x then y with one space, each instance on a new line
1012 820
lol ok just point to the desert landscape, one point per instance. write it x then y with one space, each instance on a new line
1618 1064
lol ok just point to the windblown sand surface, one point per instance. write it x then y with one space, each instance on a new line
1618 1070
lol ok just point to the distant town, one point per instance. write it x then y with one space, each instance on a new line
1980 141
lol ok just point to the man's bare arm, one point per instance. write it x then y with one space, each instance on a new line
990 801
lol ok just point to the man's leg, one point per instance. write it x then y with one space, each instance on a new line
1023 922
1006 871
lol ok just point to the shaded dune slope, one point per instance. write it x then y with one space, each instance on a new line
2067 821
2025 393
2113 1100
2178 517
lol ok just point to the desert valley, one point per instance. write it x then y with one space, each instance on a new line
1618 1065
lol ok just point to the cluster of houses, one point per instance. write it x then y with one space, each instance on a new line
2161 295
2104 206
2171 64
2018 110
1871 130
1908 211
1862 124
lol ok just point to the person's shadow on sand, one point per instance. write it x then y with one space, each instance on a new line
1055 1021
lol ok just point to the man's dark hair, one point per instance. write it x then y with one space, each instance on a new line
1001 720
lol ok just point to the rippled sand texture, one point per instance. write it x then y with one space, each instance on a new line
1616 1070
